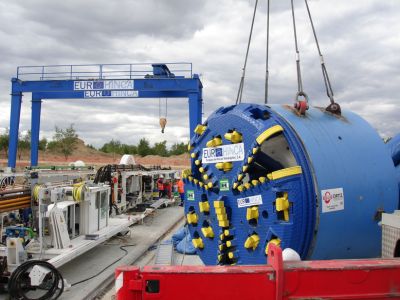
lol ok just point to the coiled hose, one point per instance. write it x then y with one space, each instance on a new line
19 284
78 191
36 190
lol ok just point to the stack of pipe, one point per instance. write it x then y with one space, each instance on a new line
15 199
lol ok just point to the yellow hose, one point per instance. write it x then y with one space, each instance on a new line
36 190
78 191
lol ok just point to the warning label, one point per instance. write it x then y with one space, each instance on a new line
332 200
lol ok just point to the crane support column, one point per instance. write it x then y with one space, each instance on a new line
16 100
195 111
35 129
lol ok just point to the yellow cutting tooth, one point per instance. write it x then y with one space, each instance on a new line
210 185
247 185
240 188
255 182
193 155
223 223
198 243
206 187
197 162
234 137
223 217
220 210
200 129
202 169
190 178
225 166
255 150
229 244
262 179
196 181
190 147
268 133
204 206
201 184
276 241
219 204
240 177
282 204
252 213
252 242
192 218
207 232
245 168
235 185
249 159
205 177
226 232
215 142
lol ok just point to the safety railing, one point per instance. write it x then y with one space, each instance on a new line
99 71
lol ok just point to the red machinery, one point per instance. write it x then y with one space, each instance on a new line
331 279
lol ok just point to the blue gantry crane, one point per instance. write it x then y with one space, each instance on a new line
172 80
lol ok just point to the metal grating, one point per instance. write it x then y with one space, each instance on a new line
165 254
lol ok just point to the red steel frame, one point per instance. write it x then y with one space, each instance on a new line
332 279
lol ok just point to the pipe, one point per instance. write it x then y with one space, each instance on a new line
14 191
5 202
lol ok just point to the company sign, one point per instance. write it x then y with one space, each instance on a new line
234 152
106 88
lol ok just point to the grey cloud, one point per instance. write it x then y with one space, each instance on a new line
359 39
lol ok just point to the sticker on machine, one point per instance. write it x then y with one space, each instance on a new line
224 185
332 200
190 195
225 153
249 201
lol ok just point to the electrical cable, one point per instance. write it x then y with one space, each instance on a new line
105 268
19 283
267 55
241 84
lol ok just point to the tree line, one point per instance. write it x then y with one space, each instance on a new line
65 141
144 148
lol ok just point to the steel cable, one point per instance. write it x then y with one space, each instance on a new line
241 84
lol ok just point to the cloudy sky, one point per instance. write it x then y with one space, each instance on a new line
360 40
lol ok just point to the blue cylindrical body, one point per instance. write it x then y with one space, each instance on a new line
315 183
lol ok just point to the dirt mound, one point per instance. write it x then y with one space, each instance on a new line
92 156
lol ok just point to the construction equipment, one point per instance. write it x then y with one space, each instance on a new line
108 81
317 183
337 279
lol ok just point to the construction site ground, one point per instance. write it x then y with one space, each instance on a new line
142 236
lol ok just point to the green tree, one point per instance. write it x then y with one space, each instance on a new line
24 143
43 144
143 148
66 140
112 146
4 139
160 148
178 148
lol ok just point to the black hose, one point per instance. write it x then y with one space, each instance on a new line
106 267
19 283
